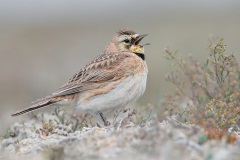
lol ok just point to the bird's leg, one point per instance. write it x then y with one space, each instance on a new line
105 121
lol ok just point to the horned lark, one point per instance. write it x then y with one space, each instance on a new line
110 81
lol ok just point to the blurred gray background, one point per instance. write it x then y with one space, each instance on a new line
43 43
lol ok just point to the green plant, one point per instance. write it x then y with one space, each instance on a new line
208 92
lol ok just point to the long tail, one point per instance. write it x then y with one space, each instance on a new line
38 105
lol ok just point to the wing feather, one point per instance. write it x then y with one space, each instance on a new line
103 69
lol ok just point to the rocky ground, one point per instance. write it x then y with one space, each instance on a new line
51 137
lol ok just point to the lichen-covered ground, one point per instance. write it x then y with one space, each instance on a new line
150 139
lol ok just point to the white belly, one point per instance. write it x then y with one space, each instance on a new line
127 91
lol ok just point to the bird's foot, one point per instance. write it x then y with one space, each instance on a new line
105 121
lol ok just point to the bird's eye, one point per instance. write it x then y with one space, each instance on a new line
126 41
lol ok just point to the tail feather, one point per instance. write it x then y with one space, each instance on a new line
36 106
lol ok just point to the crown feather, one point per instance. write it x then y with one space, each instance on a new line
126 32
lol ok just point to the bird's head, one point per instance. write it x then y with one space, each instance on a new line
127 41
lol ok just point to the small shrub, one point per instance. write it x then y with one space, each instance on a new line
206 94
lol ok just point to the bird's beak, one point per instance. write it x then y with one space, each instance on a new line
139 38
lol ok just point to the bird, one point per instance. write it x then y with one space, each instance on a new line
109 82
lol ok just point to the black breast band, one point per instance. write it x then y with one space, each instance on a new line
141 55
